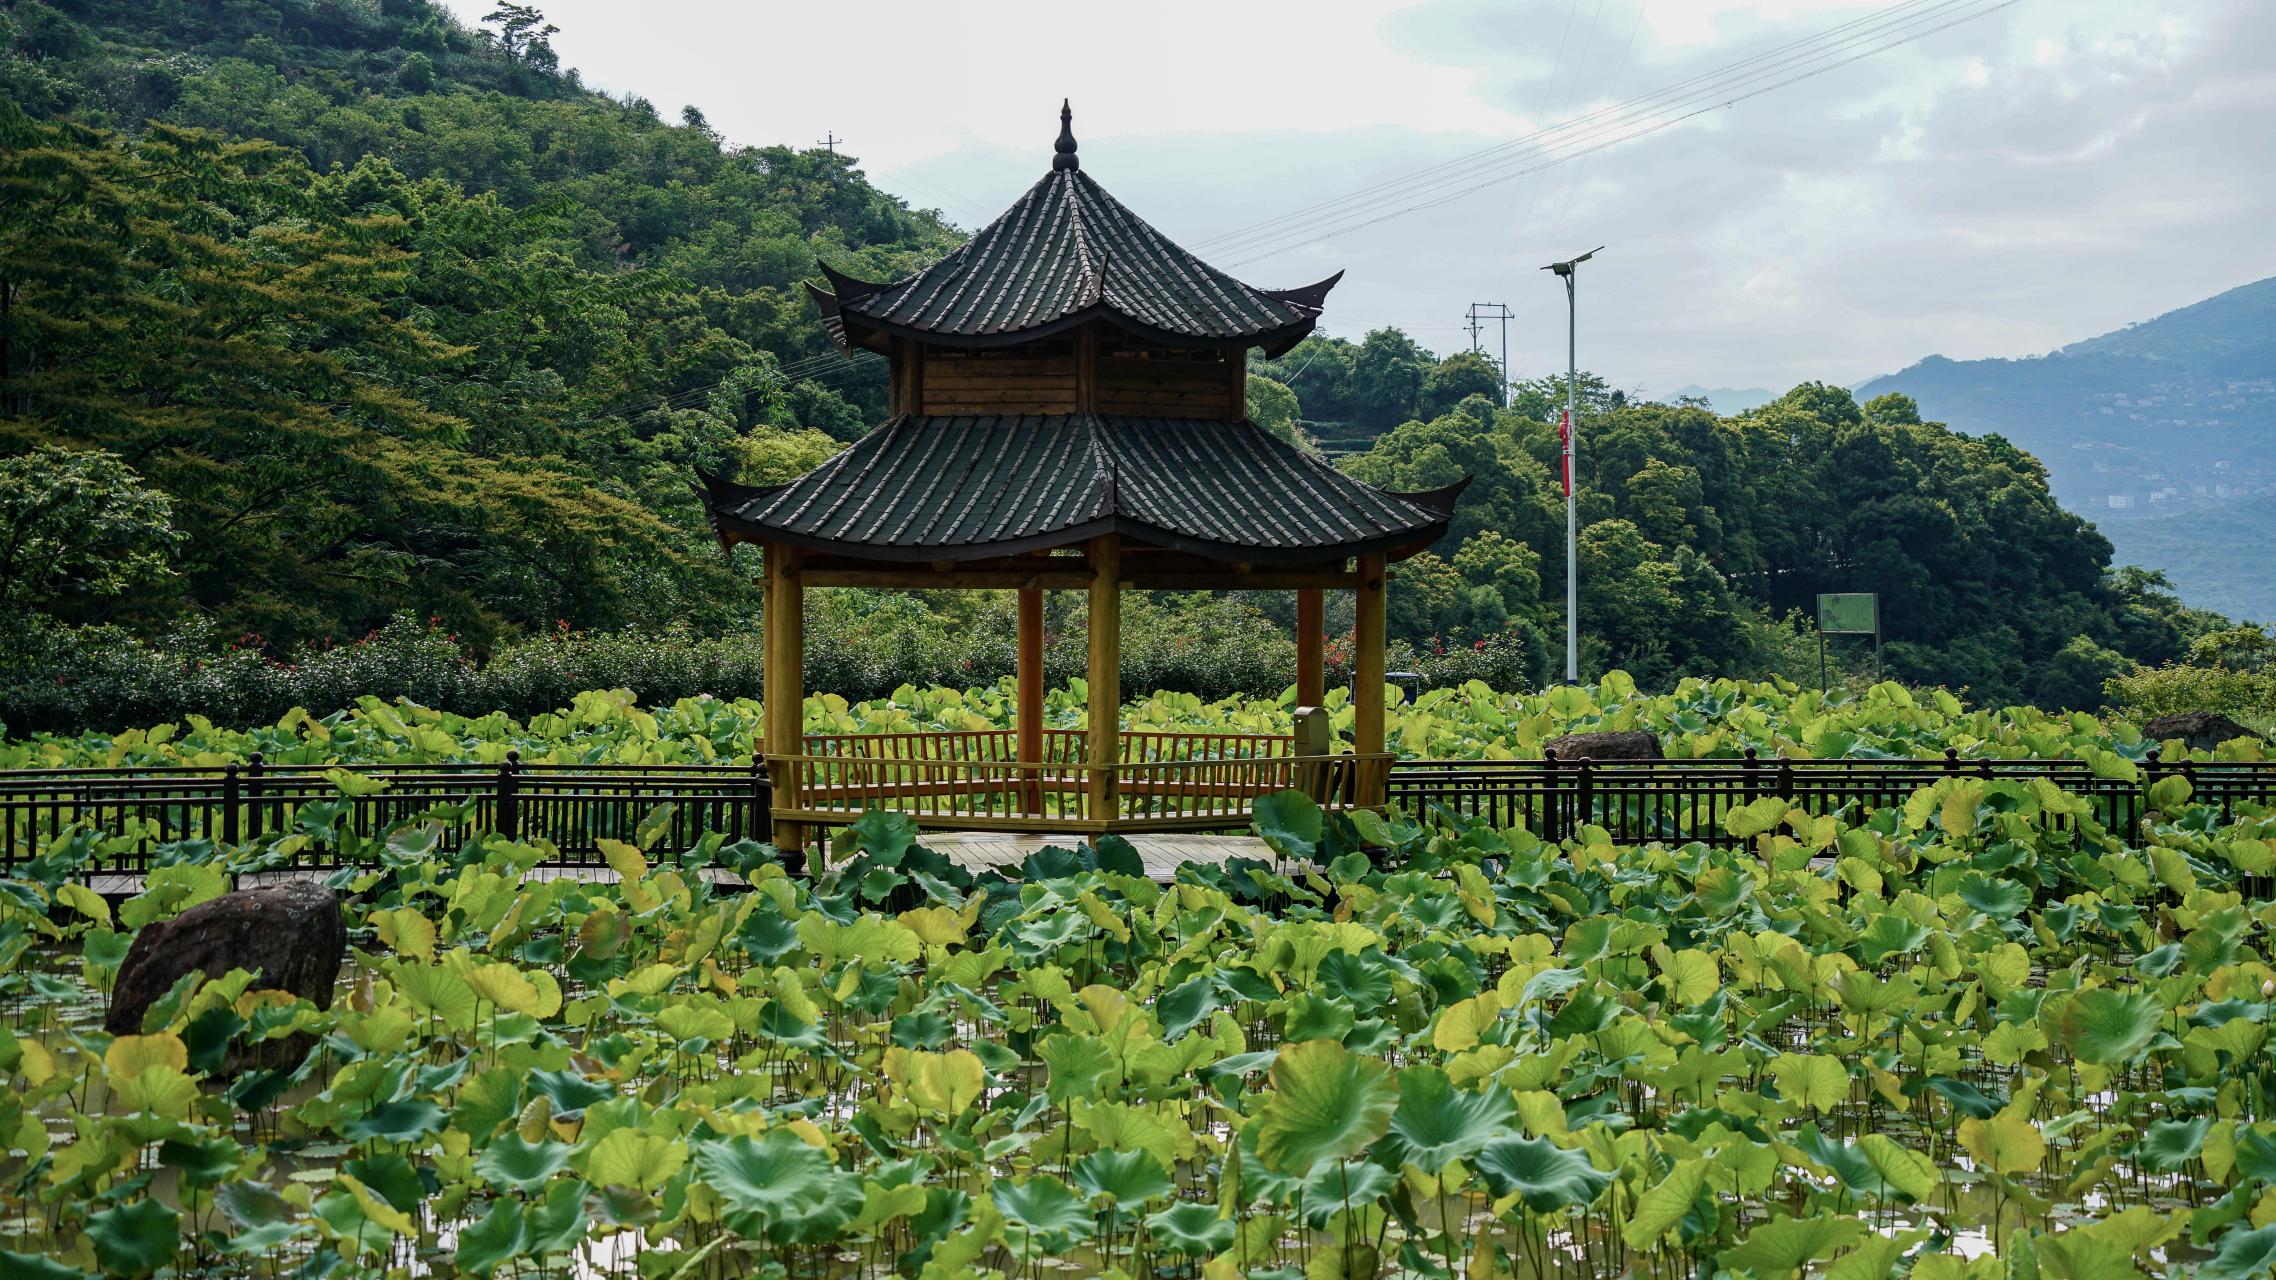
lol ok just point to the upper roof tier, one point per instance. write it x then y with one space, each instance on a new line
1065 253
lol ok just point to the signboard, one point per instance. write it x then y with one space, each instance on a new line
1854 614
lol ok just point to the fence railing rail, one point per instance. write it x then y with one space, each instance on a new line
575 806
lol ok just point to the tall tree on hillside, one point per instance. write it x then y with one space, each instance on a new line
193 306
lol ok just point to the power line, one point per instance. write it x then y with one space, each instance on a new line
1726 86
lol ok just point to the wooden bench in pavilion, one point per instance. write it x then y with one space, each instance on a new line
1069 400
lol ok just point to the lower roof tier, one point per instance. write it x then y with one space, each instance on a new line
935 487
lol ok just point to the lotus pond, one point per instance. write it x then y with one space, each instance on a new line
1976 1036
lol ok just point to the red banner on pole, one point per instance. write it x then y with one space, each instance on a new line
1565 436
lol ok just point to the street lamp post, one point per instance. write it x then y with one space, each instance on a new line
1566 431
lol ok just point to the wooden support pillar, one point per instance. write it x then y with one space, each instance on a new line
1086 367
785 663
1029 717
1105 671
1237 383
1367 673
1311 646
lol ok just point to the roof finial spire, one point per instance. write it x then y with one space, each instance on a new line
1066 144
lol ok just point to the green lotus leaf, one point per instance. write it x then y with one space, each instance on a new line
1999 899
1289 821
1077 1064
1343 1184
1042 1218
1965 1098
1435 1122
2255 1155
497 1237
521 1166
406 1121
621 1206
570 1091
1329 1103
1315 1017
1544 1175
558 1223
1364 983
485 1102
136 1238
1186 1005
777 1188
767 937
1889 935
923 1031
631 1157
2167 1145
1129 1178
2242 1255
32 1266
1550 982
1192 1229
201 1163
2110 1027
1664 1204
391 1177
1785 1245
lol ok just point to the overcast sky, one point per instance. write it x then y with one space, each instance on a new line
2032 177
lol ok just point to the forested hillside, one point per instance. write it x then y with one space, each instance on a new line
401 317
378 316
1695 529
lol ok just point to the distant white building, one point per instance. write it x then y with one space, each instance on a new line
2122 501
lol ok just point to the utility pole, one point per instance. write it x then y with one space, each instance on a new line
1566 432
830 141
1479 313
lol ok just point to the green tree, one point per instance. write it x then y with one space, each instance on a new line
1273 407
77 524
1386 384
1456 378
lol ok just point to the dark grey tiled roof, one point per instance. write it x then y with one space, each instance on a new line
1068 252
959 488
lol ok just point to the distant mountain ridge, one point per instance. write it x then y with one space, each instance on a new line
2231 333
2171 417
1726 401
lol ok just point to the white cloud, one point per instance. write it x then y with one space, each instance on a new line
2047 173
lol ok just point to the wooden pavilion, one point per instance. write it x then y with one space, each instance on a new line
1069 401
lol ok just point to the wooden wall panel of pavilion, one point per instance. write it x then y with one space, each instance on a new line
1069 413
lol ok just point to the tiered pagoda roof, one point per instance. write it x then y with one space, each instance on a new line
1069 261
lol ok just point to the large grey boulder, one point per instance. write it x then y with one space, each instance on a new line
290 936
1634 744
2198 730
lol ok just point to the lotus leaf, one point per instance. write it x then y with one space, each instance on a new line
1328 1103
1543 1175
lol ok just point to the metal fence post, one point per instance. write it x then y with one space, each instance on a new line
762 799
253 771
229 801
1785 779
1951 759
1584 795
1748 764
508 814
1552 798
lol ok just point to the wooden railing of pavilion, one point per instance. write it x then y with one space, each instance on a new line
975 781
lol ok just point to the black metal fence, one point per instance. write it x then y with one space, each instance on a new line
575 806
1678 801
